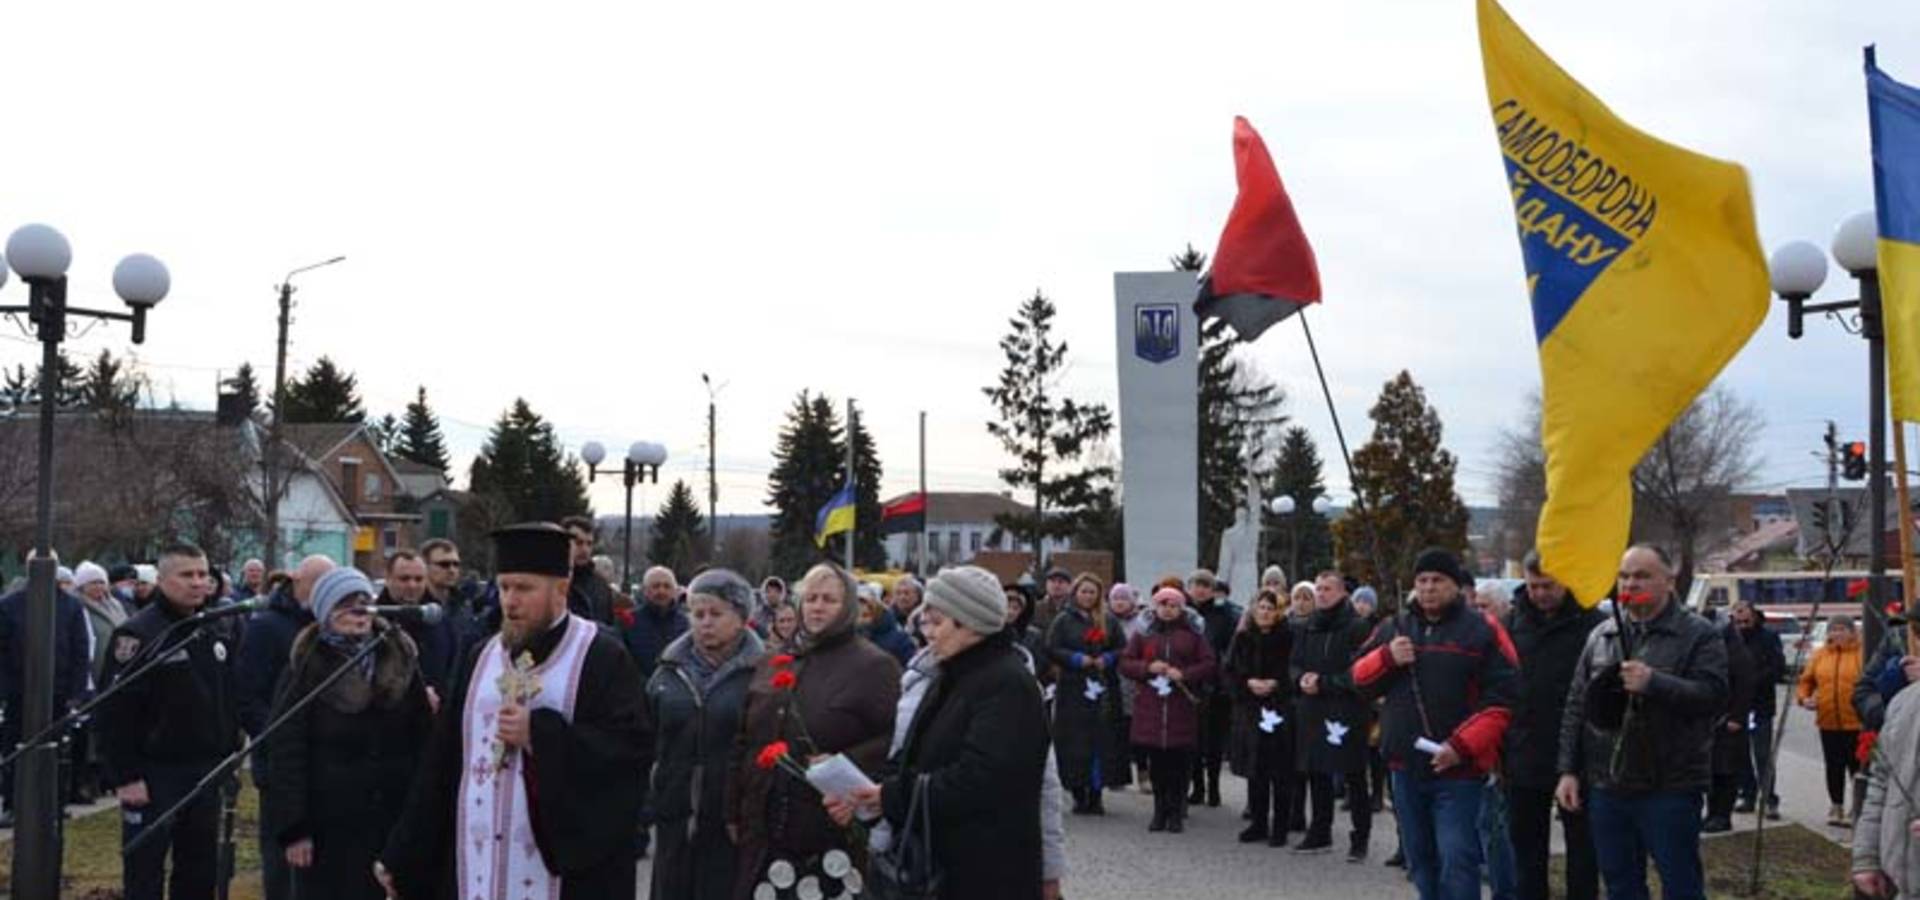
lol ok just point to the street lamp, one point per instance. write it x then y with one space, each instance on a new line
643 462
1797 270
40 256
1285 505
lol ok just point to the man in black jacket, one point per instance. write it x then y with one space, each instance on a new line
1219 619
263 657
589 596
1637 735
1549 629
1770 666
164 733
72 662
436 642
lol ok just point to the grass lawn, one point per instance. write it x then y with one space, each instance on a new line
91 866
1797 864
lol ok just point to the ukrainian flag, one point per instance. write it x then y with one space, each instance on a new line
1645 275
1893 115
836 516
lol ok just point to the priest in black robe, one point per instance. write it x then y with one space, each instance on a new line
508 765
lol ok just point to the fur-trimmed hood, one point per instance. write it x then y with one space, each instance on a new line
395 666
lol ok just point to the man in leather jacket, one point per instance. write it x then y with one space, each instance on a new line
1636 740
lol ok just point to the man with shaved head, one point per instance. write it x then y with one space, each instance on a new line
1636 740
263 655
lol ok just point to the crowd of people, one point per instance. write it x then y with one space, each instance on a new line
548 728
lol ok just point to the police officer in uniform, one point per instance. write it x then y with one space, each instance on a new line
166 731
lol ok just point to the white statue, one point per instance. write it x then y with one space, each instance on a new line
1240 548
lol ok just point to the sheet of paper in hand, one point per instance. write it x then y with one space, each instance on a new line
837 776
1095 689
1161 685
1428 747
1336 732
1269 720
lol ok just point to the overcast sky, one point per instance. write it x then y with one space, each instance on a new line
588 205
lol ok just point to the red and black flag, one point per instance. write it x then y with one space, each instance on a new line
1263 269
907 515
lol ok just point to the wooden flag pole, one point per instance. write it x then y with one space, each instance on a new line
1905 515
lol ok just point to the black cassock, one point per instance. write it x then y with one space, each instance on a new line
586 780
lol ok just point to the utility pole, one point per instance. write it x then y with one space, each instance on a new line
275 479
713 468
923 496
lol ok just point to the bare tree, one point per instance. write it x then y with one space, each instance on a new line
1681 487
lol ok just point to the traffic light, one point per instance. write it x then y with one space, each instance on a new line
1853 460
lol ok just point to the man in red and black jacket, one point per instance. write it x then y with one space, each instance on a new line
1449 675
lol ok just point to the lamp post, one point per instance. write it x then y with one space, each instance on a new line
40 256
271 460
1797 270
1285 505
642 464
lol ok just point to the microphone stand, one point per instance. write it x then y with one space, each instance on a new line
152 657
226 766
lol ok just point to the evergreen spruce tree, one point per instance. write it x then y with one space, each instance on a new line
679 533
1297 474
327 393
1239 411
385 432
420 437
808 464
523 467
19 388
1406 480
111 385
1045 434
869 550
244 383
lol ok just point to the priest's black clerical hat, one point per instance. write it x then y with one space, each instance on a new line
533 548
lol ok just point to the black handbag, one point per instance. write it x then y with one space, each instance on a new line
906 870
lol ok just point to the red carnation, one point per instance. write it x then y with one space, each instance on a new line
784 680
770 755
781 661
1095 637
625 616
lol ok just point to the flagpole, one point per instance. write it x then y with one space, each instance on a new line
1905 515
1359 498
852 487
922 556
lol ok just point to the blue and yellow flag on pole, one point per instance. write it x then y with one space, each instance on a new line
1893 115
836 516
1645 275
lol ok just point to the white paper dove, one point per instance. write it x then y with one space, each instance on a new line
1269 720
1161 685
1095 689
1336 733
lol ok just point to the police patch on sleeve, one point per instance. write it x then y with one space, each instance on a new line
220 650
124 647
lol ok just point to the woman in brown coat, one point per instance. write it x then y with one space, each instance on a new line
836 693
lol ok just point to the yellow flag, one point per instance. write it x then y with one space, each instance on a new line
1645 275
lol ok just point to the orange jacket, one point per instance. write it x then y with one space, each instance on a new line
1829 678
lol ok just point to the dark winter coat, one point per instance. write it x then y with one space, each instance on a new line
697 726
1259 654
72 663
590 597
341 767
980 738
180 715
263 659
1219 620
1880 679
1085 731
1327 645
845 694
1730 744
885 633
653 628
1769 668
1549 646
1171 722
1668 731
1458 690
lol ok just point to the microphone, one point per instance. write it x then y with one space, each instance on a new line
428 613
231 609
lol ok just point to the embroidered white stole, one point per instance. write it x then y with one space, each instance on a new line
498 859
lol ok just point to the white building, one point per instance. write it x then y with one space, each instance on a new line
959 525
